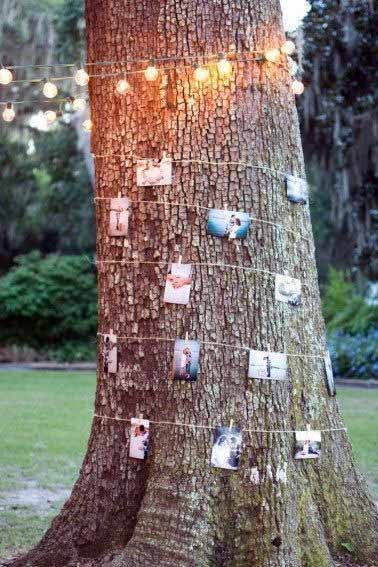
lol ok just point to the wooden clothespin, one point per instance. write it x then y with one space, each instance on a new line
308 427
119 194
268 347
226 207
179 260
231 424
186 336
140 416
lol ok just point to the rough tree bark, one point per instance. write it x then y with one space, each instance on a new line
173 509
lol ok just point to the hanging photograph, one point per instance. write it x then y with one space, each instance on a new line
186 360
330 381
178 283
267 365
109 354
139 436
288 290
152 172
119 216
296 189
226 448
228 224
307 444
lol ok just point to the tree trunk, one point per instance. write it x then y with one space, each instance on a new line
174 509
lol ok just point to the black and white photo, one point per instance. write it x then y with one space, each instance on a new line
139 437
109 354
330 381
186 360
288 290
226 449
307 444
119 216
151 172
296 189
178 283
267 365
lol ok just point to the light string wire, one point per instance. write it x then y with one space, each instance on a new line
202 207
212 427
211 343
209 264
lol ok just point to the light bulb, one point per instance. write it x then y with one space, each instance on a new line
293 66
224 66
201 74
49 89
151 73
6 76
87 125
9 113
288 47
297 87
122 86
78 104
50 116
81 77
272 55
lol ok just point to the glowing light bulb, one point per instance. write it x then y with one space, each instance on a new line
297 87
9 113
6 76
49 89
81 77
224 66
87 125
293 66
201 74
288 47
151 73
78 104
122 86
50 116
272 55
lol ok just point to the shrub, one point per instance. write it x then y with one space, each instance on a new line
46 302
354 355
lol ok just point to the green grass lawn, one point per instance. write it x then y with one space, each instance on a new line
44 427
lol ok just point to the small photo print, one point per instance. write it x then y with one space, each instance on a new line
228 224
178 283
152 172
330 381
296 189
139 436
226 448
288 290
109 354
307 444
186 360
119 216
267 365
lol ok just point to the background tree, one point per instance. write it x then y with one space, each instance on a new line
174 509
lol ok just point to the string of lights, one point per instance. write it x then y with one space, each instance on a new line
212 343
202 207
213 427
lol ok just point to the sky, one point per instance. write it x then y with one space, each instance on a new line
293 13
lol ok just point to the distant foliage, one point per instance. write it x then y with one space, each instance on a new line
354 356
344 310
46 303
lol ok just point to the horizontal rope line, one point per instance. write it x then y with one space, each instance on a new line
211 343
211 427
192 205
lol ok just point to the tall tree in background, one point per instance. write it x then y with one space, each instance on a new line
339 113
173 509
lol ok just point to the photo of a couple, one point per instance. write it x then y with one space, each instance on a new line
186 360
139 437
288 290
152 172
109 354
307 444
296 189
178 283
226 449
228 224
119 216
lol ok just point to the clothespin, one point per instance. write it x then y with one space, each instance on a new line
140 416
308 427
186 336
119 194
226 207
268 347
179 259
231 424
